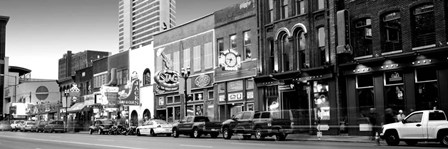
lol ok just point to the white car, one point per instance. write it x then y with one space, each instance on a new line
154 127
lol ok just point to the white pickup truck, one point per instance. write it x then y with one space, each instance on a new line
426 125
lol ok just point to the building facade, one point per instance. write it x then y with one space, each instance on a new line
236 39
3 21
297 62
395 58
186 46
138 20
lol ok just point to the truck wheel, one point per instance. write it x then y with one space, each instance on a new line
175 133
152 133
214 135
226 134
392 139
196 133
411 142
444 139
258 134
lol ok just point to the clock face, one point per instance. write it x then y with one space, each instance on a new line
230 59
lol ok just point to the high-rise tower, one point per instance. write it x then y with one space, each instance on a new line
138 20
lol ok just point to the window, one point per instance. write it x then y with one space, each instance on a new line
300 48
197 58
250 84
176 99
210 95
146 77
415 118
436 116
287 55
300 6
273 58
247 43
233 42
364 89
169 99
176 61
208 55
362 38
198 96
423 26
324 53
220 47
271 11
198 110
320 4
284 9
391 32
187 58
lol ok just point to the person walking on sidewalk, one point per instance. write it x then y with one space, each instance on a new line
400 115
372 120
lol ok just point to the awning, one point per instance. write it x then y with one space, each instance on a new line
76 107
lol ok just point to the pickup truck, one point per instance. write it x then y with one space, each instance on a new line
425 125
260 124
195 126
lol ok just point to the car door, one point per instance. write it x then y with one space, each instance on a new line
188 125
412 128
146 128
246 122
181 124
236 120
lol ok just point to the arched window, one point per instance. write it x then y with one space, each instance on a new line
362 37
391 32
146 77
423 26
300 49
287 54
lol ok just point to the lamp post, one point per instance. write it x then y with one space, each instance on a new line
15 91
66 93
185 74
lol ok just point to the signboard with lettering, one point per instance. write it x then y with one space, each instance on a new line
394 77
131 95
166 79
202 81
235 96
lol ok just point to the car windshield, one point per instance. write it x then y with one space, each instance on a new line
160 122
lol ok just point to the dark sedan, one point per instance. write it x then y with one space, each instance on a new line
101 126
55 126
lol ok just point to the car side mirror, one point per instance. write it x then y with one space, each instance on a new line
403 121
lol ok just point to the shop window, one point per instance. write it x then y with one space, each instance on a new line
394 90
247 43
284 8
299 7
171 114
272 104
250 94
321 101
250 107
161 101
300 48
198 110
423 26
287 55
210 95
391 32
427 74
177 113
426 95
177 99
362 38
198 96
190 110
365 93
169 99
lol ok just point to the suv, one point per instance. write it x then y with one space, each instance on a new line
195 126
259 124
55 126
39 127
15 125
27 126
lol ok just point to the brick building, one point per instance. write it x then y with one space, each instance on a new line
3 21
393 55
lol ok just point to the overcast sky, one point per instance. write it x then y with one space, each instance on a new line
39 32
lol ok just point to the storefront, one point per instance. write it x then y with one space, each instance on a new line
235 96
408 82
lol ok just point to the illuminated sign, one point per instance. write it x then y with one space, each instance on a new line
202 80
230 60
167 79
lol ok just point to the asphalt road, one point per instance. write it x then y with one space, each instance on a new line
21 140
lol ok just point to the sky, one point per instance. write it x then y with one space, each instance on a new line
39 32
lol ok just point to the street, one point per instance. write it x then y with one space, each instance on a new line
20 140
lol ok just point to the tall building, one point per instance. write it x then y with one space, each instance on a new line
3 22
138 20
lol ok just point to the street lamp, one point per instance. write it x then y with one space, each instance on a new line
66 93
185 74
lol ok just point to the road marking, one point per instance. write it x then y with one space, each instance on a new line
256 144
198 146
104 139
71 142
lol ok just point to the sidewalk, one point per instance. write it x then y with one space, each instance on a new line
307 137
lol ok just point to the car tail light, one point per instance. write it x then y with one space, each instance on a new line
269 124
159 126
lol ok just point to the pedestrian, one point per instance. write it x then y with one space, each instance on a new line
372 120
400 115
389 116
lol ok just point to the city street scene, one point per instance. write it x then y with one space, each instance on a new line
264 74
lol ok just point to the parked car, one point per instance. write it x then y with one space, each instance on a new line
55 126
5 126
27 125
39 127
101 126
195 126
15 125
426 125
260 124
154 127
